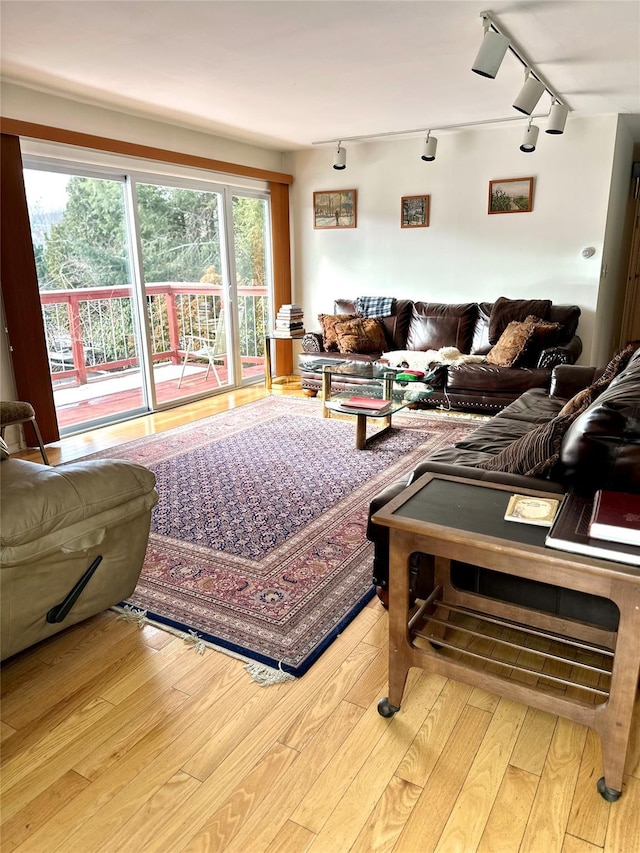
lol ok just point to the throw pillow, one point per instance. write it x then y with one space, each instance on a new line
505 311
579 402
545 334
4 450
617 363
328 323
362 334
512 344
533 454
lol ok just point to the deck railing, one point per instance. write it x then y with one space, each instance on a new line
91 329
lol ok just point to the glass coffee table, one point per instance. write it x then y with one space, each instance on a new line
379 393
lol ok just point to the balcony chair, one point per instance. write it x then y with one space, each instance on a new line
211 347
20 413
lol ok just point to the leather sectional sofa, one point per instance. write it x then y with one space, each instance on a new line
474 329
596 446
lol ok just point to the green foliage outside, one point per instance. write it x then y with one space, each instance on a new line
179 233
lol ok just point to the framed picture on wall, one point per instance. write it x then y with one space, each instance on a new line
511 195
414 211
335 209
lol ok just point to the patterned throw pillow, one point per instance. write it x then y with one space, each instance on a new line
512 344
363 334
617 363
533 454
580 401
328 323
4 450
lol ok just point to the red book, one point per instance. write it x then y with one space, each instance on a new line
616 517
371 403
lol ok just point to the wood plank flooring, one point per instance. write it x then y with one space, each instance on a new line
116 738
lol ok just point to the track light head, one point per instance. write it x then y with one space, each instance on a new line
429 148
340 158
529 95
530 138
491 53
557 118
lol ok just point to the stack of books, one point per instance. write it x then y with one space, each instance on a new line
607 526
289 322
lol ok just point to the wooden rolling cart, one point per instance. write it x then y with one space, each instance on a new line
584 672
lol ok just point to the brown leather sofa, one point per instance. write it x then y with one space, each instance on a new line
473 328
599 450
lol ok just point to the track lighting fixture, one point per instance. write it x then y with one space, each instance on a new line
557 117
492 50
529 95
429 147
496 42
530 138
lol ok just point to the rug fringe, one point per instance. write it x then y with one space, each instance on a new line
266 675
260 673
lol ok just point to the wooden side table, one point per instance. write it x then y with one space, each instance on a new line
592 672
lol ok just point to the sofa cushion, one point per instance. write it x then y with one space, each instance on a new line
480 341
482 378
434 325
512 344
362 334
328 324
535 453
505 311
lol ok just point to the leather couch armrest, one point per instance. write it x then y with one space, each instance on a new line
312 342
568 379
517 481
561 354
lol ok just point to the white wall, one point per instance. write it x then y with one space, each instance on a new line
465 254
615 256
26 104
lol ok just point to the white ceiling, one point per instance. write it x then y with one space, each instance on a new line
285 74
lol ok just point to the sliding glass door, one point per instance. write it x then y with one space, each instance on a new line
83 259
151 291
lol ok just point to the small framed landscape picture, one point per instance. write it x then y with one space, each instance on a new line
414 211
511 195
335 209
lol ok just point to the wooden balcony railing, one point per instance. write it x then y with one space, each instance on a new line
91 329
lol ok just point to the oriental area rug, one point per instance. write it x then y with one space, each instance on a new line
258 540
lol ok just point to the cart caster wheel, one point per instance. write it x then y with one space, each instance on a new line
385 709
609 794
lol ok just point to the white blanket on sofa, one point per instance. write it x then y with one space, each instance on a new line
417 360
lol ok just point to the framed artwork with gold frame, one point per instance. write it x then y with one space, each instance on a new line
335 209
414 211
511 195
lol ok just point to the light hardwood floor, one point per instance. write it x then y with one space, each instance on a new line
119 738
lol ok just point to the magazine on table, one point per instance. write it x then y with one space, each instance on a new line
372 404
570 532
